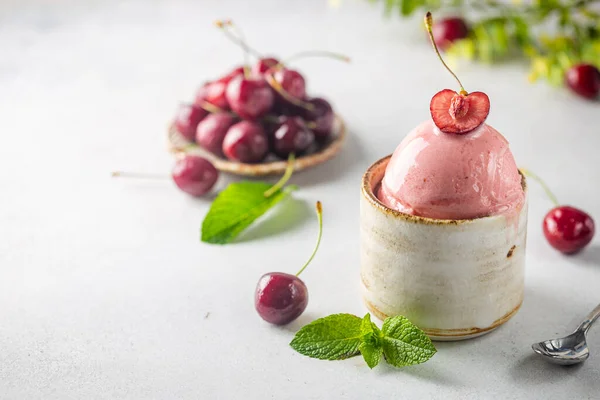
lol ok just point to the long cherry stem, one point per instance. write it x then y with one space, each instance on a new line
286 176
320 218
428 26
279 89
137 175
539 180
317 53
239 39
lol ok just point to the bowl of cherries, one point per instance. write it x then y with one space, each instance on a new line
250 120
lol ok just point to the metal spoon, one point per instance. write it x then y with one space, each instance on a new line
572 349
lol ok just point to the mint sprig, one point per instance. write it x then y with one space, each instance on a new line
335 337
341 336
240 204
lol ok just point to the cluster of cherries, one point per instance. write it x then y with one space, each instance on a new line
249 113
583 78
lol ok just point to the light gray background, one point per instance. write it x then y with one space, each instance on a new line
104 285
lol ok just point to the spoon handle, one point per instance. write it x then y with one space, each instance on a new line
589 319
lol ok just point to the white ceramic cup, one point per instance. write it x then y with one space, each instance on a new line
455 279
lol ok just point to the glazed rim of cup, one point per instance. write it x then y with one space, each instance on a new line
372 178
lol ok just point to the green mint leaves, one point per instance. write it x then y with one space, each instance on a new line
335 337
370 348
405 344
236 208
341 336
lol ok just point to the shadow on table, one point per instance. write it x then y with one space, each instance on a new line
290 214
589 256
350 155
536 321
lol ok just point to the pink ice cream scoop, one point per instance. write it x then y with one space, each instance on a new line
446 176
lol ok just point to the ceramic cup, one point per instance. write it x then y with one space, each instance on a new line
455 279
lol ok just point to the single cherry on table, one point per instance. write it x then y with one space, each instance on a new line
192 174
280 298
566 228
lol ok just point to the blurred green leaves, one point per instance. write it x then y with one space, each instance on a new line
504 31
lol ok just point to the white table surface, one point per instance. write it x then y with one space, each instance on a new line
104 285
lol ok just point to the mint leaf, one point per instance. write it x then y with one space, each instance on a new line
371 354
236 207
404 343
335 337
370 348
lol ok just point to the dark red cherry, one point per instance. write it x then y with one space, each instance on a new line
246 142
263 65
459 113
322 116
187 120
292 82
214 92
212 130
194 175
239 71
280 298
568 229
449 30
584 79
291 136
250 98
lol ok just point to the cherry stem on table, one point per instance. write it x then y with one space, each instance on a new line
539 180
137 175
428 26
320 218
289 170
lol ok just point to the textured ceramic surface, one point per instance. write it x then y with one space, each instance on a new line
180 145
456 279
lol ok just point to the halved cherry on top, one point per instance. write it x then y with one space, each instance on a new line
459 113
456 112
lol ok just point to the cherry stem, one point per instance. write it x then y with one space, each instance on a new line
428 25
289 170
317 53
211 108
320 218
137 175
539 180
279 89
239 39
